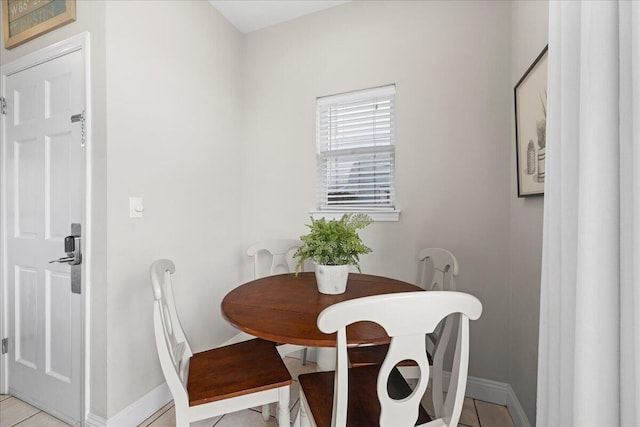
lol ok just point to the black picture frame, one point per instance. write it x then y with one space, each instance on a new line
530 101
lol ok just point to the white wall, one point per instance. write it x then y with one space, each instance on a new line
173 108
450 62
529 28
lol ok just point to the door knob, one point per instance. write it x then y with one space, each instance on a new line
73 257
63 260
72 248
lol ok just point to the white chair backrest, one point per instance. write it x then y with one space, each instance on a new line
174 350
274 256
406 317
445 269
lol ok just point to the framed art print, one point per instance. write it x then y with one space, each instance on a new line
27 19
530 96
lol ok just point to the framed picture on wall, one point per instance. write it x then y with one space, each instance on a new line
530 95
24 20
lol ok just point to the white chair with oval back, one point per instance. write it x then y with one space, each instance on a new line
444 269
437 272
218 381
378 394
271 257
274 256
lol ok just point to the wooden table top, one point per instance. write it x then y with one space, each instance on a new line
284 308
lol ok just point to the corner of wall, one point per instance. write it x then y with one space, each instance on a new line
529 35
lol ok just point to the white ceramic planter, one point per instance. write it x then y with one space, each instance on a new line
332 279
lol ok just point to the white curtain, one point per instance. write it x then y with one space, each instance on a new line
589 351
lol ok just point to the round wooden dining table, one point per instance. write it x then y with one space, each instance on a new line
284 308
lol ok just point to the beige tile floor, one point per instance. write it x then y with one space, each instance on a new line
14 412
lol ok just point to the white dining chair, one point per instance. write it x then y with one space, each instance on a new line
378 394
437 272
443 272
217 381
274 256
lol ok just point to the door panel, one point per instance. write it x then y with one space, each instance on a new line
44 196
26 316
57 200
59 324
28 174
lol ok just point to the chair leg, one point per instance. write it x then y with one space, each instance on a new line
283 407
302 416
304 356
266 412
181 417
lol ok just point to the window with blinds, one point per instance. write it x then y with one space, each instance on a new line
355 135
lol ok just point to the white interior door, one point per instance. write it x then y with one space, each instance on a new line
44 183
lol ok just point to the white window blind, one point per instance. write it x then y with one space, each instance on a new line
355 135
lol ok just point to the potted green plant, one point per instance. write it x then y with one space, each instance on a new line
333 245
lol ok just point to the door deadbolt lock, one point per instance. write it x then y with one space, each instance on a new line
72 247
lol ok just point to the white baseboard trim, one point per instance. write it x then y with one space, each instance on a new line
515 409
477 388
487 390
137 412
494 392
95 421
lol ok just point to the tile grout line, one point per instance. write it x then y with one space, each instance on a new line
477 414
158 417
216 423
25 419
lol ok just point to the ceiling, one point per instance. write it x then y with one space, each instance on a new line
251 15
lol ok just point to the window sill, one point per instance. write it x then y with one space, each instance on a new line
376 216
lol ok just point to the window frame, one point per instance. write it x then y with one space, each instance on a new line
359 153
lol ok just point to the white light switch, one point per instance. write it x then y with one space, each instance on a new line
136 208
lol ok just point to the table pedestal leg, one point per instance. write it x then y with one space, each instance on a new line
326 359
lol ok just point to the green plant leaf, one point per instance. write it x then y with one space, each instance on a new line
334 242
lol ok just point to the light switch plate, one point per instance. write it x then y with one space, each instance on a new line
136 208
